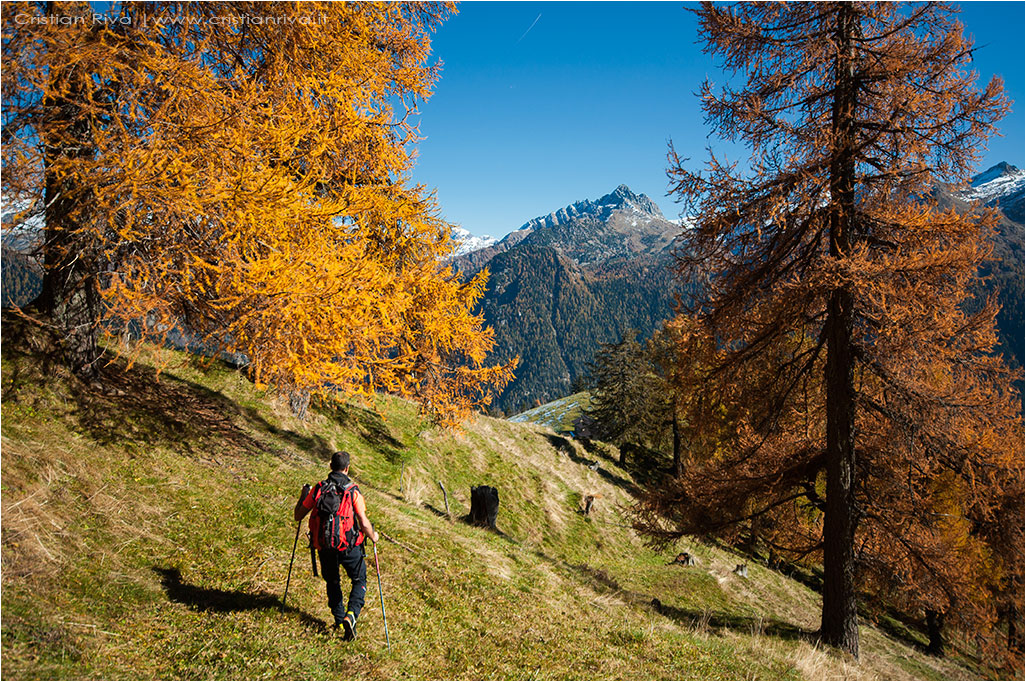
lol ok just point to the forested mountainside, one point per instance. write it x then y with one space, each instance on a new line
567 282
22 278
564 283
554 313
1001 187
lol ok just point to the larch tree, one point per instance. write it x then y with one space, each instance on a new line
666 403
242 171
846 406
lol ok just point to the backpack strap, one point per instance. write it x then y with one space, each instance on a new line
356 538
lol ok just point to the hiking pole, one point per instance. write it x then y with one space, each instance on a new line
299 524
381 596
289 579
313 555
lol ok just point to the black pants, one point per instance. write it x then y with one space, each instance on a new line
352 561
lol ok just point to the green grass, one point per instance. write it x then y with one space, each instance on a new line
147 533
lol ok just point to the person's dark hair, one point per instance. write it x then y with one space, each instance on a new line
340 461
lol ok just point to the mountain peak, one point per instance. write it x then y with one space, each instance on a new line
1001 185
625 192
620 199
630 222
1002 169
623 196
464 242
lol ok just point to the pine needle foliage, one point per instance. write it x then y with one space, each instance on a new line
622 400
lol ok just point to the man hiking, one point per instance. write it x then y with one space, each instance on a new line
338 527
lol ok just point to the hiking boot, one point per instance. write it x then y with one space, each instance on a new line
349 627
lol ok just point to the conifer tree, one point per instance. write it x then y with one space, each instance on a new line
622 400
242 169
870 426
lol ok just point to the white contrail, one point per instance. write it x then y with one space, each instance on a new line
528 28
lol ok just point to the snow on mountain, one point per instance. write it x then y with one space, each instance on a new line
621 199
628 216
619 225
998 182
468 243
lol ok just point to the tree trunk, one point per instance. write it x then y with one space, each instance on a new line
299 401
840 618
1015 638
678 464
69 297
934 625
751 545
839 625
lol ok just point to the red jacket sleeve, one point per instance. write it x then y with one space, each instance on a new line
310 501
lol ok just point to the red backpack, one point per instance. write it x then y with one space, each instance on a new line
336 512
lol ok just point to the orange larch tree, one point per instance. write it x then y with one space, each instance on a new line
242 171
844 403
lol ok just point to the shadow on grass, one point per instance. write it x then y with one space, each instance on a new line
313 444
646 465
137 407
174 410
435 510
901 627
467 520
494 530
206 599
370 426
564 446
751 625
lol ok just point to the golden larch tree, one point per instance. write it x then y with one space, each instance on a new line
843 404
241 171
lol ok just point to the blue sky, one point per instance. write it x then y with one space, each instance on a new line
541 104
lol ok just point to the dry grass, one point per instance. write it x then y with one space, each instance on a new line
159 556
815 663
416 486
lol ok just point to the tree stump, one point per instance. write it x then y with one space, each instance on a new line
484 505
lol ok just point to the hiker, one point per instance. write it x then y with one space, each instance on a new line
340 541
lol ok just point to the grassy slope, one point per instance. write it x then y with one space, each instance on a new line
147 533
558 415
